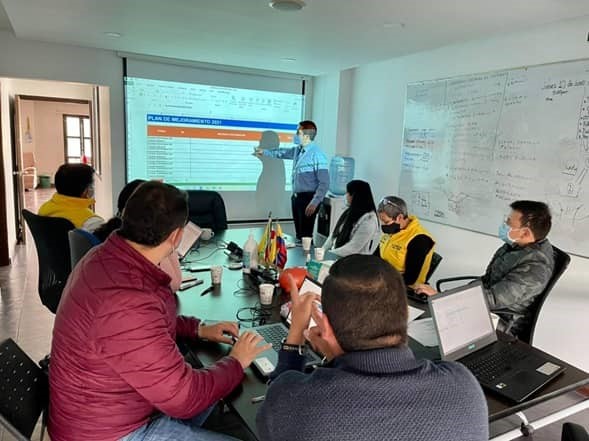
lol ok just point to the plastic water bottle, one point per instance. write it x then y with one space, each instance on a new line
250 254
341 171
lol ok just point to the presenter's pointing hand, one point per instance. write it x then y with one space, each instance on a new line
258 152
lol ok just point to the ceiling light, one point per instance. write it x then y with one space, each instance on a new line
113 34
288 59
287 5
389 25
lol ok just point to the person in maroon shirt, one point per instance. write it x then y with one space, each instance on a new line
116 372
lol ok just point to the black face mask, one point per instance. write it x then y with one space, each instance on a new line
391 228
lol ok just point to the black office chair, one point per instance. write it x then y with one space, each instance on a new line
81 241
573 432
24 392
207 210
53 251
436 260
561 263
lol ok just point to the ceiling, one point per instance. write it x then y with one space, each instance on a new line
326 36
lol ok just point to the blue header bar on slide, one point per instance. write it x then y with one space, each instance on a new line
218 122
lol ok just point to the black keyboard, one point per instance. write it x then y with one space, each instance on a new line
488 367
273 335
276 334
419 298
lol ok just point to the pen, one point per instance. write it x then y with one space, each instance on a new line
206 291
258 399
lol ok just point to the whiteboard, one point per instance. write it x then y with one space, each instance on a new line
474 144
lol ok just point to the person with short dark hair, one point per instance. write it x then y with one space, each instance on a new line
405 244
357 230
116 372
310 176
170 264
74 197
373 387
520 269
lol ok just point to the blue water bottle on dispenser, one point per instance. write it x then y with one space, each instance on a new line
341 171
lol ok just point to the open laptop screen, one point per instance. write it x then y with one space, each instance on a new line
189 237
462 321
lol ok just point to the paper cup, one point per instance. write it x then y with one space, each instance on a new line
266 293
207 234
306 243
319 254
216 274
495 320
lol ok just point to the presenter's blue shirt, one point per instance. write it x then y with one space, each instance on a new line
310 171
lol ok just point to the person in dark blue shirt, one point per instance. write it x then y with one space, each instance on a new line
373 387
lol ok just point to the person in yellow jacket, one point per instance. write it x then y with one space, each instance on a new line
74 197
405 244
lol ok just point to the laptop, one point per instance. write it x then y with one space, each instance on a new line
275 333
466 334
190 236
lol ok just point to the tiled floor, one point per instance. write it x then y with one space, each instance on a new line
25 319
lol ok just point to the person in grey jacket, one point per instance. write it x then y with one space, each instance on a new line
357 231
373 388
520 269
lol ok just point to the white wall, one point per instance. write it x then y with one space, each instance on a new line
376 124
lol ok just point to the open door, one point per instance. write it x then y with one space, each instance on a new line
19 189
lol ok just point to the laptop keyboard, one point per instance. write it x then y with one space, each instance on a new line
275 335
488 367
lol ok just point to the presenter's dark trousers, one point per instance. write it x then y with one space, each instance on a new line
303 223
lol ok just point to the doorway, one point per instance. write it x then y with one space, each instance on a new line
48 132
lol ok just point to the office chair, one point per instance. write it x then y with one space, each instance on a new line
561 263
80 241
573 432
53 251
207 209
24 392
436 260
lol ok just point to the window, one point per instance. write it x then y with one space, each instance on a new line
78 139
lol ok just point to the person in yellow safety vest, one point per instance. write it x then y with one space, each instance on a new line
74 197
405 244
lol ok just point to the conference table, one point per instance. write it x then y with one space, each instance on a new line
234 299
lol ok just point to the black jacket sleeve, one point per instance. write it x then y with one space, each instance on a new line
416 252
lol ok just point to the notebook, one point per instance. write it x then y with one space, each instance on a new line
275 333
466 334
189 238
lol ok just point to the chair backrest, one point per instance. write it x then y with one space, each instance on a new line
24 391
53 251
81 241
561 263
436 259
573 432
207 209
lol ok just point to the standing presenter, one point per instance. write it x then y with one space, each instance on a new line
310 176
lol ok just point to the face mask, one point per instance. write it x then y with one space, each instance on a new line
503 234
391 228
296 139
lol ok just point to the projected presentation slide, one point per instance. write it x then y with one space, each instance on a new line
202 137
